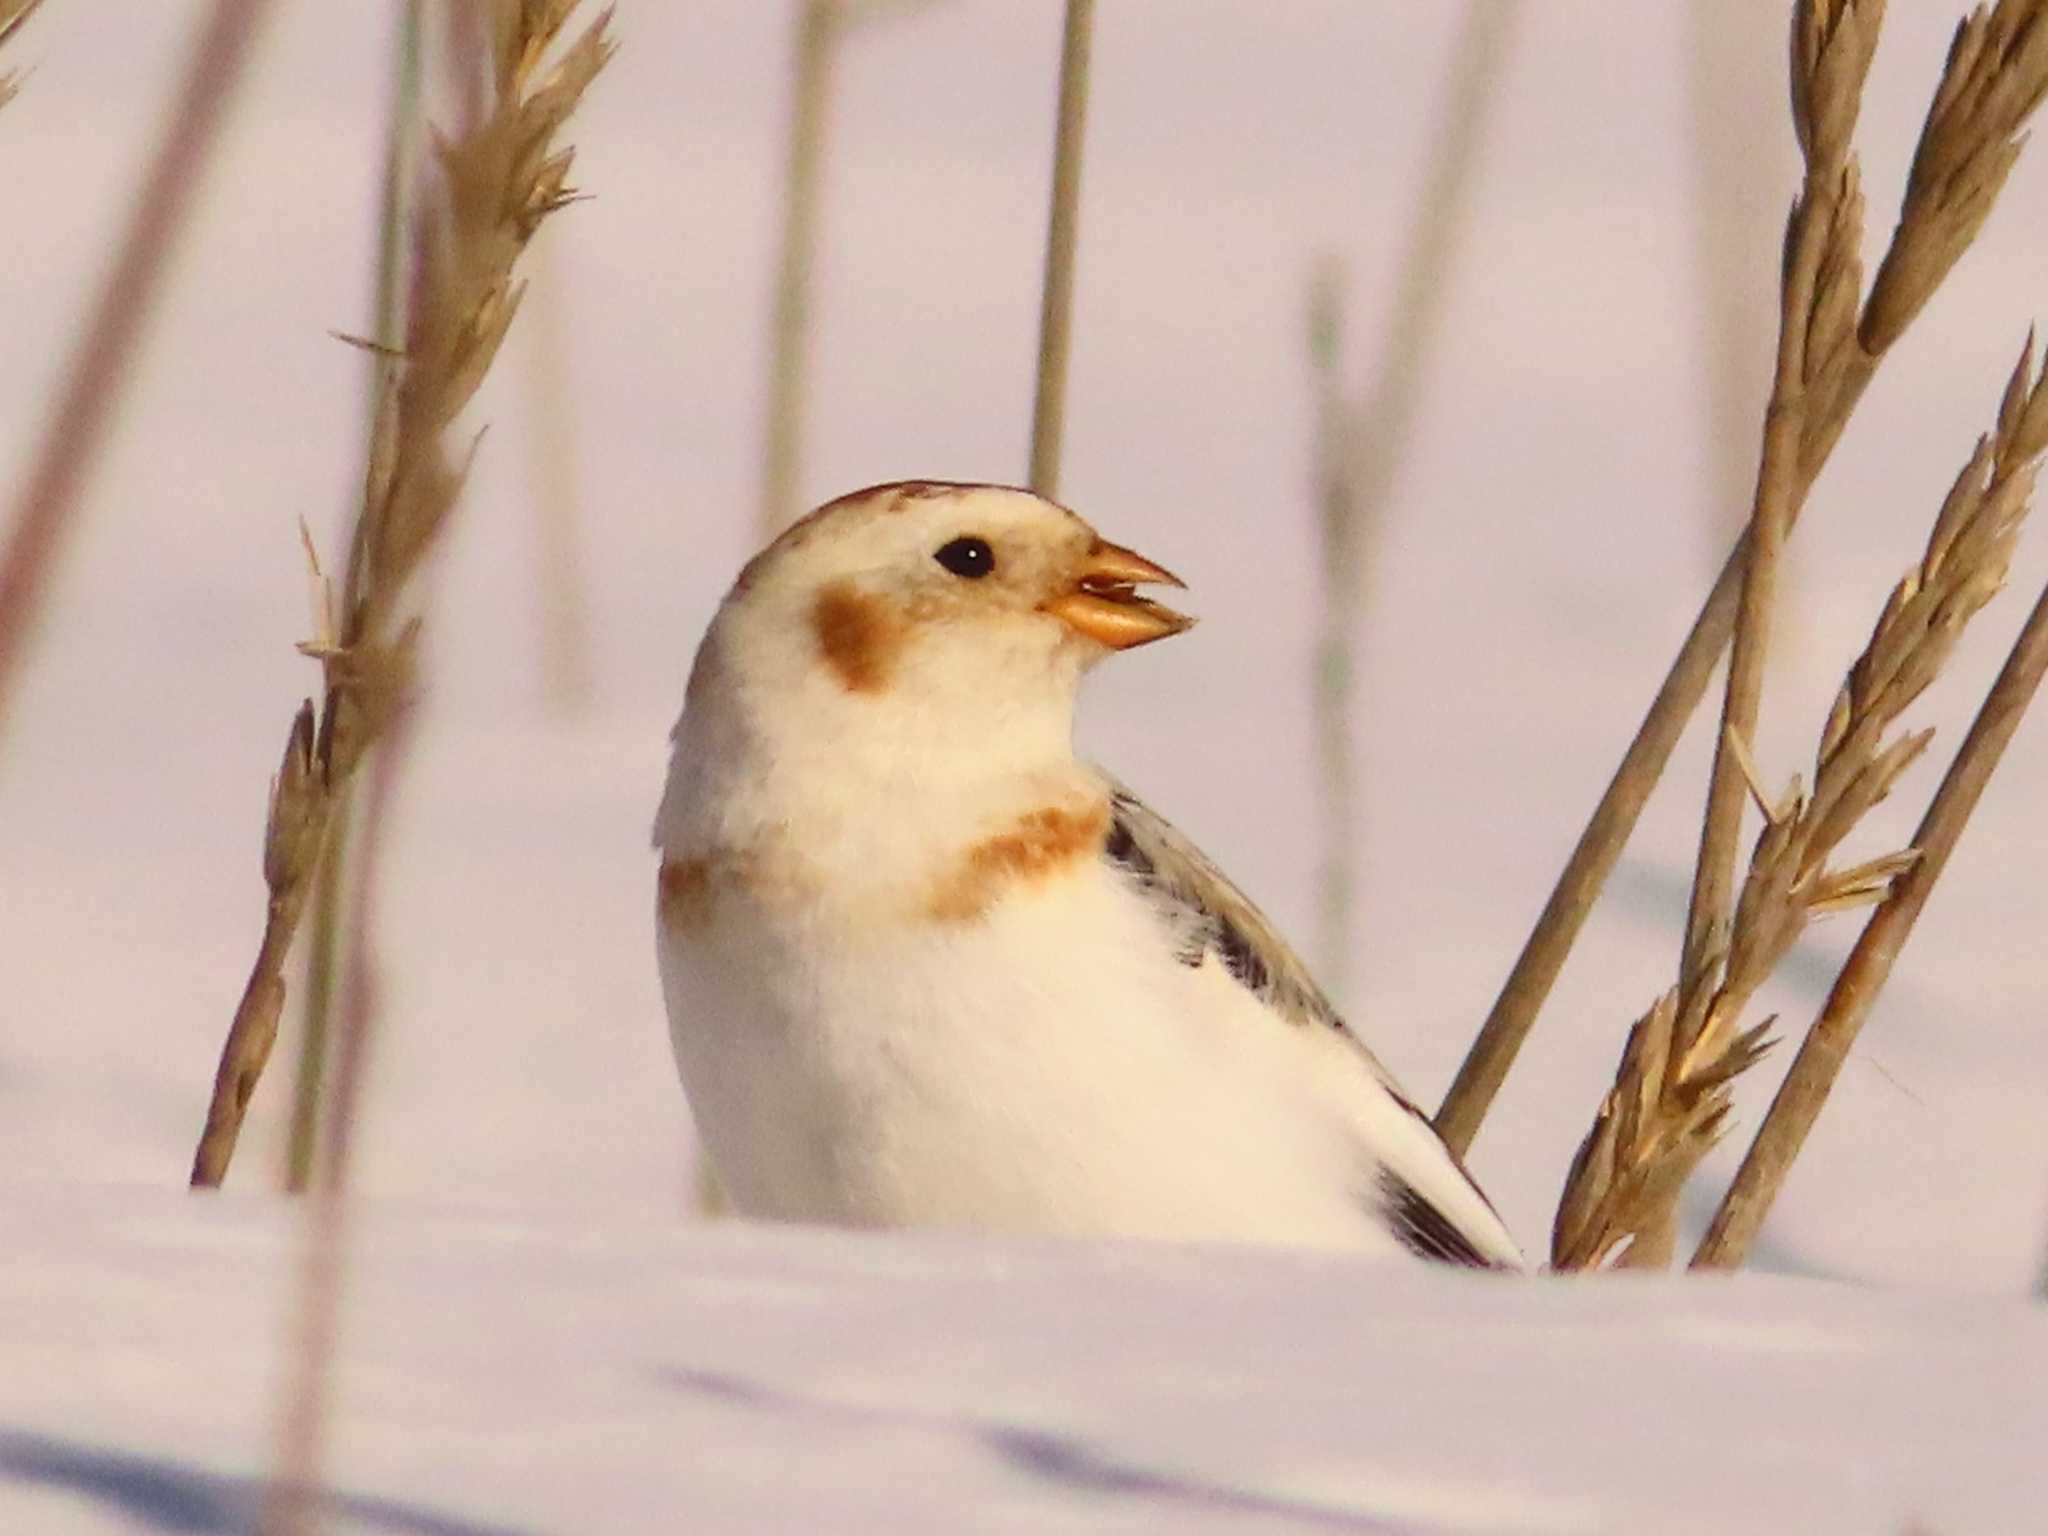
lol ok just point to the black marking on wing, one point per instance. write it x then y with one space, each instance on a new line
1241 959
1204 915
1123 849
1423 1229
1207 915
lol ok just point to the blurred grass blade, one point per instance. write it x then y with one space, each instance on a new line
12 14
819 26
387 329
1362 447
1062 240
93 385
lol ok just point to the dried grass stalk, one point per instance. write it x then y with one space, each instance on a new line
500 177
1996 74
1671 1093
291 1501
1345 539
1832 45
1994 487
12 14
324 942
818 30
1062 238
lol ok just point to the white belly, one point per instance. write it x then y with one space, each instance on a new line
1048 1068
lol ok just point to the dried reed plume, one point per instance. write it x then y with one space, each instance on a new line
1671 1095
500 178
1996 73
12 14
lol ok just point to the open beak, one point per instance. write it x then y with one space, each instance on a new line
1103 603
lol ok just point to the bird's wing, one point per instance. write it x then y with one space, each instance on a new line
1208 916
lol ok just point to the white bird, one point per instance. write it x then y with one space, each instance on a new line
926 967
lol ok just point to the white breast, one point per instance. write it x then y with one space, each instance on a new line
1047 1067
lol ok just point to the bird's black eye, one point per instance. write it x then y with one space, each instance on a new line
970 557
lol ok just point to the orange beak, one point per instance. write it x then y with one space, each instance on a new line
1104 605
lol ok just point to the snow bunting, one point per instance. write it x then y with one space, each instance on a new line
925 967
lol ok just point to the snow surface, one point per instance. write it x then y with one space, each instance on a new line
513 1372
535 1340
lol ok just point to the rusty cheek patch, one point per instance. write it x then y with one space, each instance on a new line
1042 843
686 896
857 637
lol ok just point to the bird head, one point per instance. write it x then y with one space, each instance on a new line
922 606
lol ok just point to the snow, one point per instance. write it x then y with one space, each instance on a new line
535 1339
525 1372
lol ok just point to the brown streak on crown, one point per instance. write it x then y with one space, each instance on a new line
857 637
1039 845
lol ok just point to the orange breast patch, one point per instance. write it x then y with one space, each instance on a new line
1039 845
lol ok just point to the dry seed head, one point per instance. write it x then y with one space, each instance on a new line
1996 75
1789 883
1611 1157
1862 885
499 179
1832 45
1838 283
291 833
1670 1098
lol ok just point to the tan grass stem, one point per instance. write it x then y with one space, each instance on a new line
1671 1094
819 26
1827 1045
1344 542
13 13
1833 44
1062 239
1812 1076
1993 80
566 668
92 387
291 1501
1735 149
498 179
387 327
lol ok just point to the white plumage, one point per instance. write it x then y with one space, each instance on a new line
924 966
